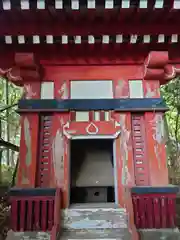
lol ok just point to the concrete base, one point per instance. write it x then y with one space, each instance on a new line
94 218
28 235
85 223
97 234
159 234
95 222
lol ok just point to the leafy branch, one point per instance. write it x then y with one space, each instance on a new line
171 94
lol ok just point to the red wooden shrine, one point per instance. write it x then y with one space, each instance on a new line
91 70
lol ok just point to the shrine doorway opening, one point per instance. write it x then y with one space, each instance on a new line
92 171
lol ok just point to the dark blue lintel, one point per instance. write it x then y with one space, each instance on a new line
32 192
151 189
143 104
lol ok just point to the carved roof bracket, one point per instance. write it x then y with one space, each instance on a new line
158 67
23 68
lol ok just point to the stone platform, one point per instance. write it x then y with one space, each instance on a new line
28 235
93 221
159 234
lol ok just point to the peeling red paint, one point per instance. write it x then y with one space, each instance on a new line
26 175
151 89
116 125
32 90
155 138
121 88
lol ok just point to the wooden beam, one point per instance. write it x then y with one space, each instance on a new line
89 54
29 5
86 28
8 107
9 145
83 54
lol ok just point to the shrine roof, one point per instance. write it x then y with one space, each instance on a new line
90 39
77 21
89 4
88 31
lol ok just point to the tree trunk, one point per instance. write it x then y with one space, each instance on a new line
7 124
0 156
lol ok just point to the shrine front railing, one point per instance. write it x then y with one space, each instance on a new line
35 209
154 207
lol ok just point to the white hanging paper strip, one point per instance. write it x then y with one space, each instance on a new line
109 4
40 4
8 39
176 4
161 38
24 4
146 38
77 39
97 116
49 39
59 4
125 3
6 4
21 39
91 39
143 4
119 38
75 4
159 4
107 115
64 39
91 4
133 39
174 38
36 39
105 39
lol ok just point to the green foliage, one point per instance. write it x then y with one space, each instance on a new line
10 94
7 173
10 127
14 93
171 94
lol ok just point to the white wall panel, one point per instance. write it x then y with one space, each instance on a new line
136 89
97 116
107 115
47 90
91 89
82 116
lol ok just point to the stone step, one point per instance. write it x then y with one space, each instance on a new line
28 235
96 234
164 234
94 218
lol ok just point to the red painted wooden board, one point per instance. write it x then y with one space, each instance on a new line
33 213
66 123
139 150
118 74
45 151
60 156
156 152
26 175
124 158
154 210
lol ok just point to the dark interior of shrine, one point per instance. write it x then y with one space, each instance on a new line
92 171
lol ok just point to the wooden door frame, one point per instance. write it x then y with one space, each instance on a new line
113 137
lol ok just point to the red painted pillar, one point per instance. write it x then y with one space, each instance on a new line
124 157
45 150
60 156
141 165
29 143
156 152
26 175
